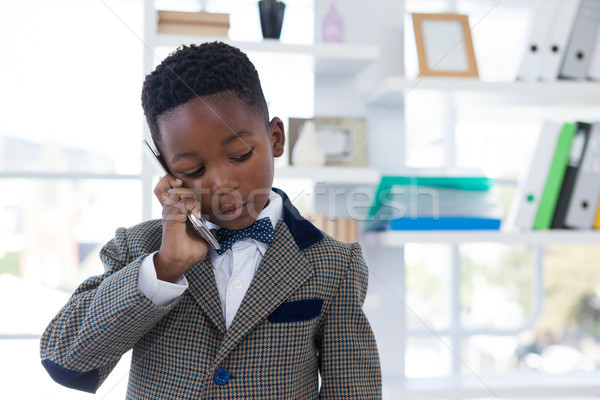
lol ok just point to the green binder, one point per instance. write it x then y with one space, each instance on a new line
545 211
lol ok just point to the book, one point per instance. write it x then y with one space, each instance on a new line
594 68
581 43
585 197
415 200
343 229
200 17
435 202
539 30
554 50
576 152
193 23
545 211
441 223
191 29
384 189
529 192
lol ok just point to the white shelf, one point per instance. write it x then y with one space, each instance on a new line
400 238
329 58
342 175
393 90
515 385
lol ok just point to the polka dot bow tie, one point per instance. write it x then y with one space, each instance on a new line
261 230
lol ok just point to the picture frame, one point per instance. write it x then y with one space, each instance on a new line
444 45
342 139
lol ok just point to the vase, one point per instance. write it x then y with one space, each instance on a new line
333 26
271 18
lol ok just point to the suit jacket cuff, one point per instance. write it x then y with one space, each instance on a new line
161 293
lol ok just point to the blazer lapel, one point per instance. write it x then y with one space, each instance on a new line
282 270
203 288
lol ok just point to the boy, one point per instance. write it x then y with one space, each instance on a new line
253 320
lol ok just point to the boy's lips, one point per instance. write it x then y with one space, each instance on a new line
230 208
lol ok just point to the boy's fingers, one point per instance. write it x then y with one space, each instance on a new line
169 199
176 213
164 185
183 204
192 206
188 204
175 199
183 192
167 182
174 195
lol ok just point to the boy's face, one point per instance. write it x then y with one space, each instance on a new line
222 150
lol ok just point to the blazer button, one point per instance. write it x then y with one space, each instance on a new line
221 376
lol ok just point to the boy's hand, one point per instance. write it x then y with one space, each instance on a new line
181 246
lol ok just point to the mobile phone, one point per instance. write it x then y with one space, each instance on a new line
199 224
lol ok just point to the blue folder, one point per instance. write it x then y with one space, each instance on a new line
439 223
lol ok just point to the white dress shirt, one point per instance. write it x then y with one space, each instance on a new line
234 269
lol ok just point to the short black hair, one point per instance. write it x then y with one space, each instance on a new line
201 70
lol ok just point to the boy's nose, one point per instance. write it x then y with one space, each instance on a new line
221 181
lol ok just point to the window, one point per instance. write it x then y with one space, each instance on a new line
71 160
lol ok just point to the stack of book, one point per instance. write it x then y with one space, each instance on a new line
561 187
344 229
193 23
563 41
435 203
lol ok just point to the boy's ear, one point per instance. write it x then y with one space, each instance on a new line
277 136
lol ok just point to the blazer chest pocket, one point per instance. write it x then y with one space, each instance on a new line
296 311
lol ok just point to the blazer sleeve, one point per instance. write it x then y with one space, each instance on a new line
348 356
102 320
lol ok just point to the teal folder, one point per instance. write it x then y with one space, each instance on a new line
455 182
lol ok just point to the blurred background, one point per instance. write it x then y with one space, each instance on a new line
484 314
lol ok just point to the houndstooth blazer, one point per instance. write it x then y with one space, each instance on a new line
301 316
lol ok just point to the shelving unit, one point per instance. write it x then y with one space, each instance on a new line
382 98
339 60
466 385
387 98
329 58
335 175
401 238
535 385
394 89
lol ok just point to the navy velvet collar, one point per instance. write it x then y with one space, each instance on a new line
303 231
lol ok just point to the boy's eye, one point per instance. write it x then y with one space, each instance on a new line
243 157
195 173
